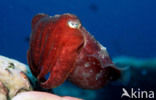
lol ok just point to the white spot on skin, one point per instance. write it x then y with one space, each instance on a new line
94 63
103 52
78 70
91 71
87 64
84 74
98 75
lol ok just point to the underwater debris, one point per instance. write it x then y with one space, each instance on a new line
132 61
137 72
13 78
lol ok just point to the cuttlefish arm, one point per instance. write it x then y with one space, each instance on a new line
56 45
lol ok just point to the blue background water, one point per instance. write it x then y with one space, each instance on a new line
125 27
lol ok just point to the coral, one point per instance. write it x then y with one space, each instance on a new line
13 78
3 92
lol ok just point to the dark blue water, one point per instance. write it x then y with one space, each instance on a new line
125 27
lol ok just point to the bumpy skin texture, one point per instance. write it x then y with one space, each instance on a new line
93 67
54 47
63 51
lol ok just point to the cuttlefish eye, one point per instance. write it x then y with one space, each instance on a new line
74 24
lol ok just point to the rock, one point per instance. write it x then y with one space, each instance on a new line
3 92
13 78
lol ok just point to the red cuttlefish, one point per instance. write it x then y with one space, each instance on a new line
61 47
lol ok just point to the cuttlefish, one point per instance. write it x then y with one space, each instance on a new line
63 49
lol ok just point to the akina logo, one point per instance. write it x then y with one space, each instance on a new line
137 93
